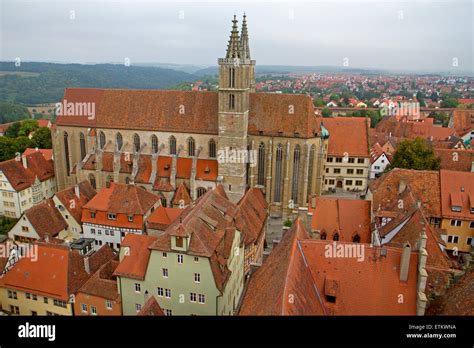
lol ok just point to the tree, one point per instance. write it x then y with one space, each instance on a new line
415 154
326 112
12 131
318 101
28 126
20 144
42 138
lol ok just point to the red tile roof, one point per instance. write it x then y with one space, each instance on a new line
252 215
455 159
73 203
345 216
163 110
463 121
162 217
347 135
457 189
52 225
182 195
136 256
151 308
47 153
206 169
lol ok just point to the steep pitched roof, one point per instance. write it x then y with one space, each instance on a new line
347 135
52 225
47 153
136 257
455 159
151 308
283 285
194 111
457 189
122 198
162 217
251 215
103 283
181 195
347 217
73 203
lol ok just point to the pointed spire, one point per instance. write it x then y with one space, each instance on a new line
233 48
244 40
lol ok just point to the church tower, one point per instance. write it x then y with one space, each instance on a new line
236 81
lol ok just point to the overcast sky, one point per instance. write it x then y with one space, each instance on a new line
408 35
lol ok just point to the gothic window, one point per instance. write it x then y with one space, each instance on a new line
231 101
310 169
101 140
261 164
200 191
296 172
172 145
82 143
356 239
66 153
154 144
232 77
247 166
191 147
136 142
119 141
92 181
212 148
335 236
323 236
278 173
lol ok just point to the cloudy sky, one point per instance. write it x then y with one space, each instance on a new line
407 35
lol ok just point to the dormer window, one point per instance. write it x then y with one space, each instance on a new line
455 208
130 218
179 242
112 216
93 214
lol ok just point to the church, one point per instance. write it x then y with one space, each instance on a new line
171 142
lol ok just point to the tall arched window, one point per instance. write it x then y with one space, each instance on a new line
108 181
278 173
154 144
201 191
92 181
212 148
119 141
296 174
310 169
172 145
191 147
101 140
335 236
323 236
261 164
136 142
82 144
66 153
231 101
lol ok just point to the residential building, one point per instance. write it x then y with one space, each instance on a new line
300 278
46 284
40 222
457 209
99 295
160 219
24 182
456 159
116 211
348 159
379 160
195 268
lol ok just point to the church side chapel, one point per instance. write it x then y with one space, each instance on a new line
180 144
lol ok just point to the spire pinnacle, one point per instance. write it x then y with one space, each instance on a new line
233 48
244 40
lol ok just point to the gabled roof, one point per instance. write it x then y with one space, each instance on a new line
162 217
122 199
151 308
162 110
47 153
73 203
20 177
457 189
103 283
57 271
136 257
347 217
347 135
181 195
283 285
251 215
46 219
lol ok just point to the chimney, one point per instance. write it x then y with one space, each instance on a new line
405 262
402 185
46 237
87 265
24 161
76 191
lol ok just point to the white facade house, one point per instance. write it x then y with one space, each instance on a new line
378 161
